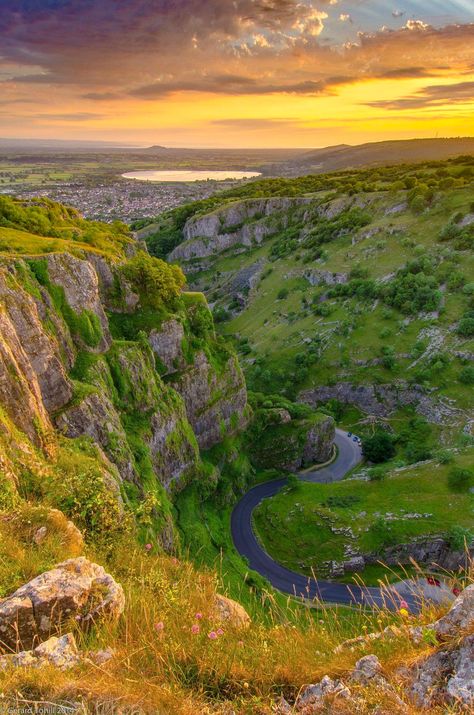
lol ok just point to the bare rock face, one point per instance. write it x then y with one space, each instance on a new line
96 417
215 401
80 283
76 588
167 345
383 400
246 222
460 617
20 393
319 442
231 611
115 292
40 348
446 677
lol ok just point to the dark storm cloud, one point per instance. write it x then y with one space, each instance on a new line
103 50
433 95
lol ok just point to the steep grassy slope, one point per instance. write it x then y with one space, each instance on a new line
352 292
365 282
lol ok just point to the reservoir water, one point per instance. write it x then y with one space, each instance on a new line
189 175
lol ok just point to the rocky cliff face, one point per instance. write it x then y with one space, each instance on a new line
212 386
281 442
61 371
384 400
246 222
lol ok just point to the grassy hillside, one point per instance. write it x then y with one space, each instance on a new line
401 238
369 284
44 226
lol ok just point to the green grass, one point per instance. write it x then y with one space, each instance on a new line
294 526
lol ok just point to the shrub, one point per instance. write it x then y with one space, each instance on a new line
155 281
466 376
282 293
459 538
379 447
460 479
466 326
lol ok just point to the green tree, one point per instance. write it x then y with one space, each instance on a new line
155 281
379 447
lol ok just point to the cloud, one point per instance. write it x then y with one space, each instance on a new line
416 25
398 13
344 17
433 95
101 96
257 123
148 49
70 117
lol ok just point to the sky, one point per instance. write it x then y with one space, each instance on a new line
236 73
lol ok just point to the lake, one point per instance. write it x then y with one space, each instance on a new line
189 175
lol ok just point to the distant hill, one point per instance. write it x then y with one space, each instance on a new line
343 156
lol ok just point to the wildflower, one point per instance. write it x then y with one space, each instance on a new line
212 635
240 644
195 629
198 616
403 612
159 626
246 685
148 547
220 632
403 604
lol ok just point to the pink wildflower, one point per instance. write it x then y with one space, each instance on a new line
148 547
240 644
212 635
403 604
159 626
198 616
195 629
220 632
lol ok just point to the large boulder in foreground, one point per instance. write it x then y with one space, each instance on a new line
76 588
232 612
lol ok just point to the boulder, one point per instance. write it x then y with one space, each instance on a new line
315 695
76 588
366 669
60 652
231 611
460 617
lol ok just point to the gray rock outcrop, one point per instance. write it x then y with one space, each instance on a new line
75 589
246 222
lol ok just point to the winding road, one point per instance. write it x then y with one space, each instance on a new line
291 582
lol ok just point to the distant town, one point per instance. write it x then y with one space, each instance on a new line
124 200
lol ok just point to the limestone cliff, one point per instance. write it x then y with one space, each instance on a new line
82 356
246 222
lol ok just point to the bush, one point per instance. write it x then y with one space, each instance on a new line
466 327
466 376
155 281
459 538
377 474
282 293
460 479
379 447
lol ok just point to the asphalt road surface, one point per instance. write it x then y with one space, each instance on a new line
291 582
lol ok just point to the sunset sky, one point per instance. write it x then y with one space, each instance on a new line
243 73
